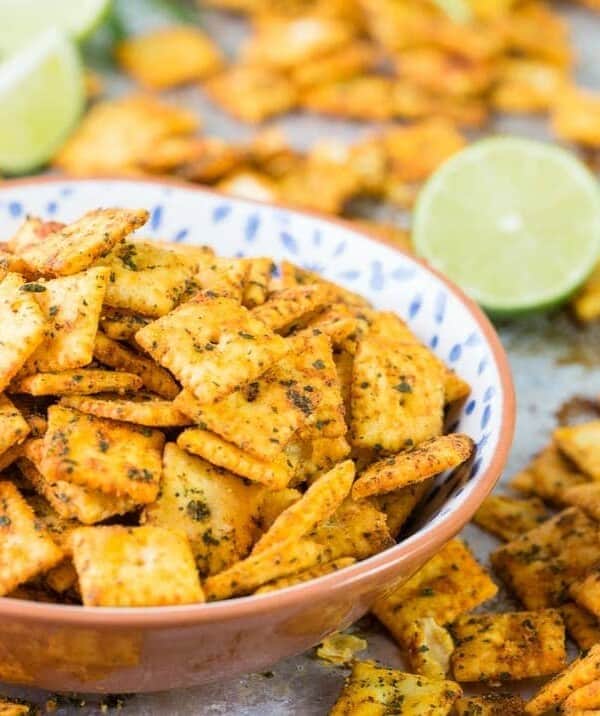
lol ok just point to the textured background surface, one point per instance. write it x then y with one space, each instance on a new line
551 361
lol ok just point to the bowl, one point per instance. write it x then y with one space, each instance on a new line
91 649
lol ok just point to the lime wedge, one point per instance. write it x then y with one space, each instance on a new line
21 20
515 223
41 95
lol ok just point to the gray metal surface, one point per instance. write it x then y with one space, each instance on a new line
551 361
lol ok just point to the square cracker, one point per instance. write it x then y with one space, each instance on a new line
285 307
582 626
120 357
76 382
581 444
115 458
315 572
585 496
580 672
586 591
429 648
212 345
75 247
32 232
540 565
508 517
374 689
71 306
22 327
509 646
450 584
121 325
134 567
275 474
490 705
141 409
397 393
71 502
13 426
584 701
292 275
216 510
169 56
25 548
148 279
256 284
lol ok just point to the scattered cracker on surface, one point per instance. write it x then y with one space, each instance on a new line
413 466
509 517
582 626
493 704
134 566
78 382
340 648
586 591
580 444
429 647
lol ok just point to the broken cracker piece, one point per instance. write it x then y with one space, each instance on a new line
429 647
13 426
493 704
141 409
77 382
582 626
285 307
584 698
508 517
340 648
319 570
580 444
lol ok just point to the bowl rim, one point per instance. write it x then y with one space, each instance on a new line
414 549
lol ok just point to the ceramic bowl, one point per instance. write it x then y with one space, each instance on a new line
145 649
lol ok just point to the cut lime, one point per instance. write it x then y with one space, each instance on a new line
41 95
515 223
21 20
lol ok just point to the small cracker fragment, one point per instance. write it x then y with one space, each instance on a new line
115 458
77 382
13 426
493 704
75 247
32 232
338 322
526 85
318 503
25 548
292 275
340 648
71 502
117 356
211 160
413 466
216 510
582 626
274 502
252 93
374 689
586 302
141 409
72 306
355 529
275 474
540 565
398 505
279 560
319 570
586 591
134 566
429 647
285 307
580 444
256 283
509 646
366 97
455 387
580 672
121 325
397 393
170 56
508 517
22 327
319 455
450 584
212 345
548 476
62 578
148 279
585 697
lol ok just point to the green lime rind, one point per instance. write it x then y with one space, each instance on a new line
514 222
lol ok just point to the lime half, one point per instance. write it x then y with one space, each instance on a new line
42 96
21 20
515 223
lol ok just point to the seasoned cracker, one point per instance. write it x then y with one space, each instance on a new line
32 232
292 276
213 159
170 56
13 426
367 97
586 697
212 345
319 455
10 707
540 565
134 567
249 184
257 280
62 578
57 527
115 458
413 466
75 247
455 388
398 505
154 378
508 517
580 672
275 474
25 548
274 502
450 584
356 530
216 510
509 646
586 591
141 409
585 496
582 626
279 560
374 689
285 307
586 302
120 325
320 570
493 704
338 322
429 647
224 276
580 444
340 648
353 59
318 503
22 328
77 382
526 85
72 306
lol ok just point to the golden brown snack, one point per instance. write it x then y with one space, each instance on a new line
582 626
429 647
13 426
76 382
509 517
141 409
580 444
493 704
